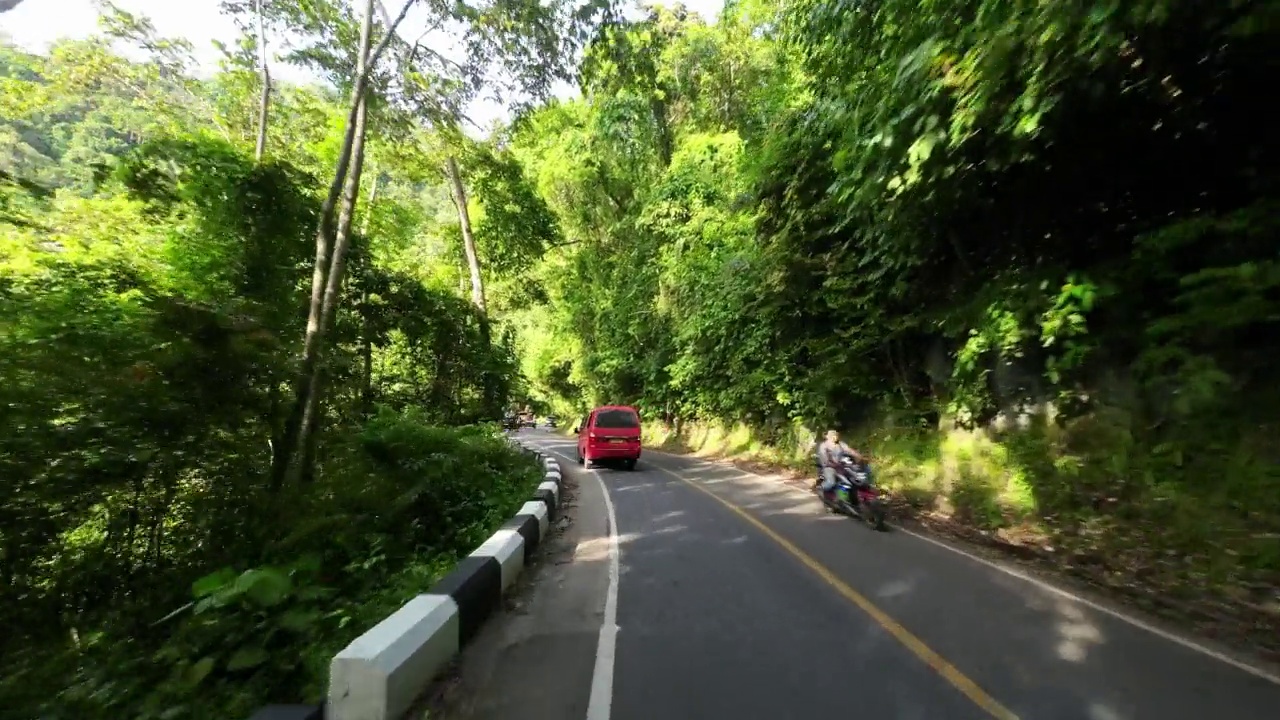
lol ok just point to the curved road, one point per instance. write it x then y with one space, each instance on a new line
736 597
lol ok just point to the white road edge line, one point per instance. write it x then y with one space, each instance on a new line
600 703
1210 652
1184 642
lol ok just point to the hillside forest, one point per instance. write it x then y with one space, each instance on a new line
255 335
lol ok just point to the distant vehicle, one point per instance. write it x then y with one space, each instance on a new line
510 422
552 421
610 432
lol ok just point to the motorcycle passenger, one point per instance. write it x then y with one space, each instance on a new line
829 453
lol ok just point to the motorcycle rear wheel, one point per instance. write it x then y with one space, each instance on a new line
873 514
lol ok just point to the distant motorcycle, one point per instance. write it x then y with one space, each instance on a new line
855 495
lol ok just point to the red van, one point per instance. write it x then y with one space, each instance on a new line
610 432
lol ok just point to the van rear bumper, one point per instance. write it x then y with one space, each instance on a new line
609 451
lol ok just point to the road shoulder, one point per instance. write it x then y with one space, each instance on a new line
534 660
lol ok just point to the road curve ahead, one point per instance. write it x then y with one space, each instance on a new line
737 598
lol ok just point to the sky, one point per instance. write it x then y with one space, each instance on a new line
34 24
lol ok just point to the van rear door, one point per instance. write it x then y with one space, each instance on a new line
616 426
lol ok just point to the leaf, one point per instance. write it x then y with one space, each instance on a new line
315 592
247 657
212 582
298 621
265 586
199 670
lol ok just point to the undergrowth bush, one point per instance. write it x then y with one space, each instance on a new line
392 511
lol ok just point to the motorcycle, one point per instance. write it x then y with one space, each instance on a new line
855 495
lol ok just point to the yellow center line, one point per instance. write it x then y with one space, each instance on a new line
931 658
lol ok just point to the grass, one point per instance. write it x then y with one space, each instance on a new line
962 472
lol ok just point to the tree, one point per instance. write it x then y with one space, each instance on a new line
468 239
331 254
265 102
256 27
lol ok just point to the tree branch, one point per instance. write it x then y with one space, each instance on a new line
384 42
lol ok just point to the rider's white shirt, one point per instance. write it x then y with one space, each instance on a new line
828 451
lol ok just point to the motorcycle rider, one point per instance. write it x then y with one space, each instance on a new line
829 453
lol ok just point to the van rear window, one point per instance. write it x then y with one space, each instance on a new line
617 419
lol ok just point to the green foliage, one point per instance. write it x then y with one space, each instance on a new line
154 281
427 349
1048 227
394 512
70 112
514 225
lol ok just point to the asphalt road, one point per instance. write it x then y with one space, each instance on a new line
737 597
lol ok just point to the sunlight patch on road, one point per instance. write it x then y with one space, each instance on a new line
668 530
667 516
1098 711
1077 634
895 588
598 548
808 508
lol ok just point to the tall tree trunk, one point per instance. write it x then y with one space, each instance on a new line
264 103
313 412
366 329
312 408
490 389
286 451
468 240
663 120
